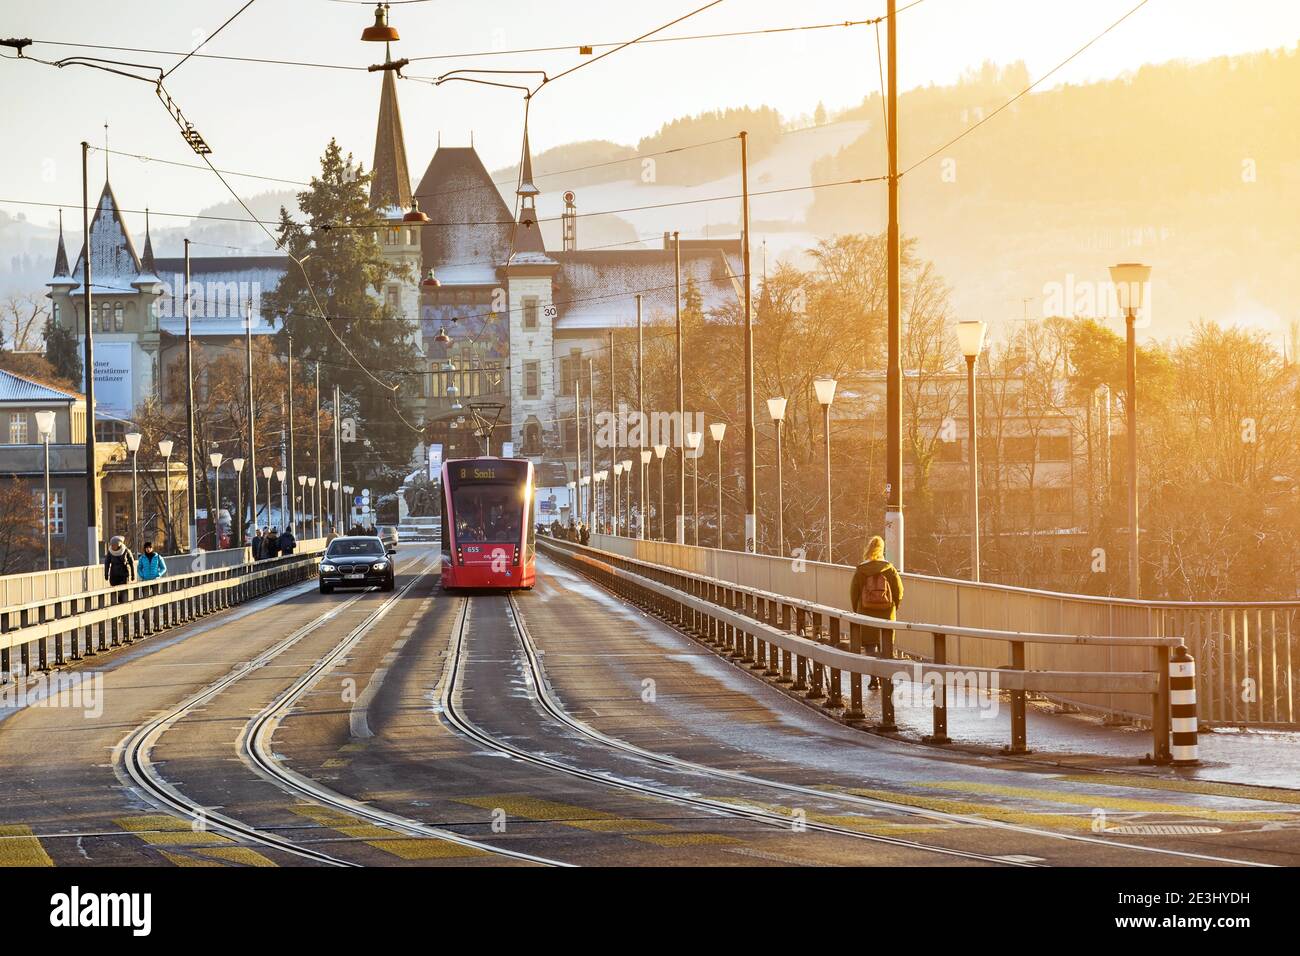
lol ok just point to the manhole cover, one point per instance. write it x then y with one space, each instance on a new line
1162 829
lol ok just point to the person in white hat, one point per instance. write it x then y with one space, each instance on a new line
119 562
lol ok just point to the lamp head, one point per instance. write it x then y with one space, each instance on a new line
646 455
267 471
1130 280
660 451
45 424
133 441
825 388
238 463
302 481
970 336
627 465
776 408
165 448
279 475
215 459
717 430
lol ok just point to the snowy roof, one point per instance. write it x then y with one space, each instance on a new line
597 289
474 223
114 265
474 273
18 388
221 288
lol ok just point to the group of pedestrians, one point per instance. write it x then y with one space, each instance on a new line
268 544
121 566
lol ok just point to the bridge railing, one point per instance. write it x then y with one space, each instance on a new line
810 645
1247 653
60 627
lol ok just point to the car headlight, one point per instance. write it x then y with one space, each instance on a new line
327 567
380 565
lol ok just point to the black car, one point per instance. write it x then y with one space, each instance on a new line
356 562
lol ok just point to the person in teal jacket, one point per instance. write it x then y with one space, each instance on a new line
150 565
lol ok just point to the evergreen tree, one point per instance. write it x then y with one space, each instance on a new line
333 312
61 352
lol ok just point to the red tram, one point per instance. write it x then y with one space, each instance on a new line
488 535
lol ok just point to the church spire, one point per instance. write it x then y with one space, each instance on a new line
391 185
147 266
527 188
61 270
528 234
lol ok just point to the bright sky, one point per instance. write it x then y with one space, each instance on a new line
275 120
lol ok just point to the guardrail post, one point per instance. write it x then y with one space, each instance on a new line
835 702
855 679
1019 733
783 622
800 662
885 651
940 735
815 691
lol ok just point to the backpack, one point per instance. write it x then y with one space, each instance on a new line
876 593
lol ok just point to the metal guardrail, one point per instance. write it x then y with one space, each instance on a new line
810 646
1247 653
94 620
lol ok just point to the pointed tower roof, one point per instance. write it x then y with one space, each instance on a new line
391 185
527 187
147 266
61 270
114 264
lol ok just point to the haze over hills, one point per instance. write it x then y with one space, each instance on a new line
1191 167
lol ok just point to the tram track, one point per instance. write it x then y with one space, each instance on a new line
133 755
555 708
460 722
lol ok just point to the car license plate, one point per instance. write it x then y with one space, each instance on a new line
354 577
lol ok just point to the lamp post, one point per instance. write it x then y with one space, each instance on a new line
693 440
825 388
718 430
302 501
238 465
618 510
627 495
45 425
646 455
970 336
267 472
602 480
1130 280
215 515
328 507
776 409
165 449
660 451
573 502
133 446
315 506
280 475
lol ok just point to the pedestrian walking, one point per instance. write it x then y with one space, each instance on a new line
150 566
287 542
271 545
119 562
876 591
257 543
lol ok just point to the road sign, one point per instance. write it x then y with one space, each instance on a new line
508 449
435 461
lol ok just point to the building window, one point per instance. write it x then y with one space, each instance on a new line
58 313
532 437
18 428
119 317
57 509
532 379
530 313
570 429
105 318
110 432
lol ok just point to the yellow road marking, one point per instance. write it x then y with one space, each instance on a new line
1118 804
986 811
1207 787
20 847
180 859
334 762
238 854
381 838
159 829
581 818
849 822
688 839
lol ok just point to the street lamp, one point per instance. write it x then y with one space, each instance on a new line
660 451
280 474
133 446
45 425
215 459
302 500
315 510
602 482
573 502
825 388
970 336
267 472
328 508
627 495
718 430
776 408
646 455
1130 280
238 465
693 440
618 511
165 449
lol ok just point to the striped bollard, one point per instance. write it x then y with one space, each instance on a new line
1182 708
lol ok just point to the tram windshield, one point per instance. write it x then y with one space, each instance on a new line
488 513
